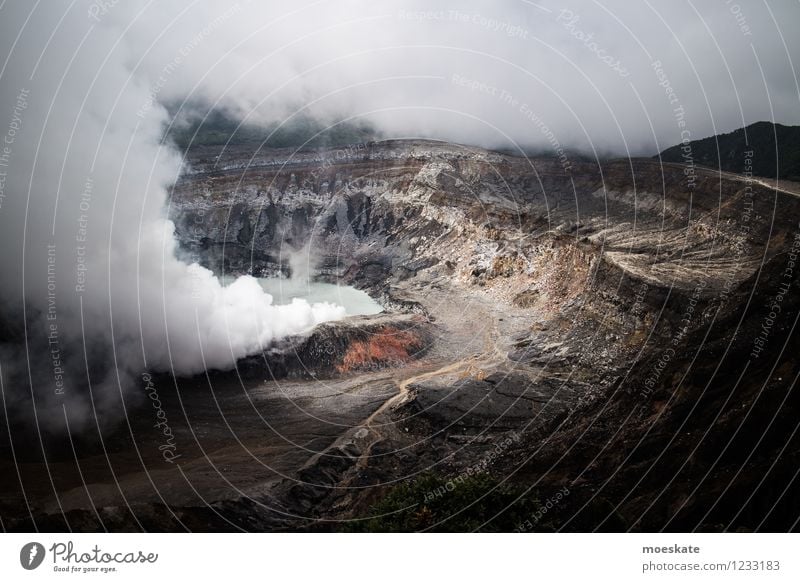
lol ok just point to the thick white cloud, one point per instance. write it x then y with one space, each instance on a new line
468 71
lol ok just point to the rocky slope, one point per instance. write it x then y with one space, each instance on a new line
621 331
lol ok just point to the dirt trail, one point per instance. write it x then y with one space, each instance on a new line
472 365
403 385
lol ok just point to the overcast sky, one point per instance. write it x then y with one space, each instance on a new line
480 72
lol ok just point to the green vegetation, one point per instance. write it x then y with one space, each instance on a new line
461 505
219 129
776 150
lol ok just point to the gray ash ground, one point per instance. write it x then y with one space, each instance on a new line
597 327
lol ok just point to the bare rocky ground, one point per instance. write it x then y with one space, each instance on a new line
591 329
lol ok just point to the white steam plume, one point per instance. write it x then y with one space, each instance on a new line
91 283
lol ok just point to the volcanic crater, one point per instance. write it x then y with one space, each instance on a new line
579 327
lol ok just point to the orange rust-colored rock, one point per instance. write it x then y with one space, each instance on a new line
389 345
